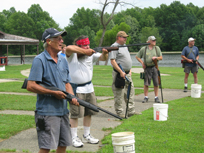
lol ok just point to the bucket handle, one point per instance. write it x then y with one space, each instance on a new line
161 113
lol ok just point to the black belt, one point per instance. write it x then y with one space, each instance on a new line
80 85
150 66
127 72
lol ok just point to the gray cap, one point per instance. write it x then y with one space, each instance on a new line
52 32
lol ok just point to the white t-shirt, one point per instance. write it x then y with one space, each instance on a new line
81 71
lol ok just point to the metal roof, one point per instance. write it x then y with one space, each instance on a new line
8 39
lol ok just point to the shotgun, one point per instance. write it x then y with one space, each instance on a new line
128 91
159 77
69 97
99 49
194 61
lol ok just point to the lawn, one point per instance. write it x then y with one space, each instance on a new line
182 132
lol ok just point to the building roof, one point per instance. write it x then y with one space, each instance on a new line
8 39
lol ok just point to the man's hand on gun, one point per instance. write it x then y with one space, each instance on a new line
62 95
89 52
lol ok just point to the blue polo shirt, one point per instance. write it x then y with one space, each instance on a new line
186 51
45 70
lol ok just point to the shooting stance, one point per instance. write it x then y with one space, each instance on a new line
122 57
190 53
150 53
51 115
81 72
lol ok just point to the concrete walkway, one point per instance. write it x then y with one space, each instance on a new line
27 140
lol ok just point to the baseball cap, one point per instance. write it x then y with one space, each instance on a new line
52 32
122 34
191 39
151 38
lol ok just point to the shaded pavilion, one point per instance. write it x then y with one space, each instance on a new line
8 39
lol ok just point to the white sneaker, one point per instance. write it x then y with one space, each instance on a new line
76 142
90 139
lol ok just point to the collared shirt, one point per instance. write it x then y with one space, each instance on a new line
45 70
186 51
121 56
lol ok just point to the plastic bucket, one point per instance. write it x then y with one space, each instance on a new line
196 90
2 68
160 112
123 142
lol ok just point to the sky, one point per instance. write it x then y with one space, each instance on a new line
62 10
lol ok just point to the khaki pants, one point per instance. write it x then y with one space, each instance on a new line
120 95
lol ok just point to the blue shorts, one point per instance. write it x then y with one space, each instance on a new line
53 131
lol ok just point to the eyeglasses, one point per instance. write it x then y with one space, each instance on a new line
123 37
58 38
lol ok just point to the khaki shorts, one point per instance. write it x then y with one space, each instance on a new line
193 69
80 111
151 73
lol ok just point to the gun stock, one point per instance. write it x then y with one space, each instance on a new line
185 61
69 97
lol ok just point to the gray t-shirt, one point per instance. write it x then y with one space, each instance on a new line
121 56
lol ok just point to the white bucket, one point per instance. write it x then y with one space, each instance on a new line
2 68
123 142
160 112
196 90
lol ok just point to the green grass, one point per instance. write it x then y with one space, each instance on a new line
12 124
12 87
182 132
14 72
17 102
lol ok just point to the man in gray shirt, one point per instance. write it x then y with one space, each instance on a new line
122 57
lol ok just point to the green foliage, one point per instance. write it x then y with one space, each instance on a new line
90 33
148 31
110 35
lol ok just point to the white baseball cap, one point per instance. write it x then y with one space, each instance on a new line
151 38
191 39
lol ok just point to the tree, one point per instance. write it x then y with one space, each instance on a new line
105 21
2 21
149 31
21 24
90 33
80 19
42 20
110 35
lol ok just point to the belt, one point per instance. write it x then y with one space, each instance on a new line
150 66
80 85
127 72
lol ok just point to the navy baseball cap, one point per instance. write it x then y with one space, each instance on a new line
52 32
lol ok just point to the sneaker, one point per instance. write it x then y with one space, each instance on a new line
157 100
135 113
185 89
90 139
145 100
76 142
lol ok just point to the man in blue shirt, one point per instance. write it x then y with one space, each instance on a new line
51 115
190 53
